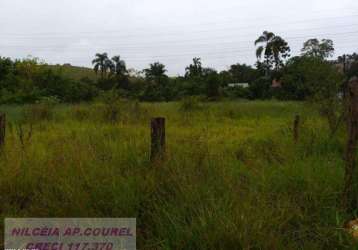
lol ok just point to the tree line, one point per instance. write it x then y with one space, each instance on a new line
307 76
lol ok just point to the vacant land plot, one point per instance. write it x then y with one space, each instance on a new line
233 177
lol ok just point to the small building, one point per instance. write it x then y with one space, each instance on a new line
238 85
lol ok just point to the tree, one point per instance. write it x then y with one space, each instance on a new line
349 64
353 65
212 84
157 81
6 66
316 80
155 72
119 70
260 88
274 48
109 67
243 73
315 48
102 63
195 69
119 66
194 78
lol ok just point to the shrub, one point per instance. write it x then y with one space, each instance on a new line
111 105
260 89
237 92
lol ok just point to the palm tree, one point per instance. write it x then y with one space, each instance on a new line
119 66
194 69
101 63
273 48
155 71
108 66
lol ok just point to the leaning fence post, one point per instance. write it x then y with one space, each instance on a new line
350 194
157 138
2 129
296 127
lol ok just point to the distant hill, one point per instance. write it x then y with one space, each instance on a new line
74 72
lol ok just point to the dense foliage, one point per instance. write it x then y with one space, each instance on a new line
28 81
309 76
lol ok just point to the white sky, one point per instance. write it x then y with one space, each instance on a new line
170 31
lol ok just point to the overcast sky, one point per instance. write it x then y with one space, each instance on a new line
170 31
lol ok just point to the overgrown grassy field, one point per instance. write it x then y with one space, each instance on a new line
233 177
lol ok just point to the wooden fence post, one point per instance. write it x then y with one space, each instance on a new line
2 129
350 194
296 128
157 139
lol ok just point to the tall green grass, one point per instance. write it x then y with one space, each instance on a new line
233 177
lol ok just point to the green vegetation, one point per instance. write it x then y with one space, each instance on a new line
77 145
30 81
233 178
275 49
74 72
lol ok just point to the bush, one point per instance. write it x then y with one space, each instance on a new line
237 92
111 105
261 88
19 97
